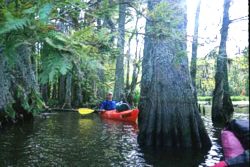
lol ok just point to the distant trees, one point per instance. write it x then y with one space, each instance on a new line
238 74
168 115
222 107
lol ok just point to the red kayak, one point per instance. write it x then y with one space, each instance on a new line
128 115
230 144
235 144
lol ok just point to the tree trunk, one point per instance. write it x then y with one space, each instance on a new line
130 87
68 95
78 89
133 84
222 107
194 50
136 71
62 90
45 92
101 88
119 72
128 70
24 82
5 84
25 68
169 116
98 20
54 90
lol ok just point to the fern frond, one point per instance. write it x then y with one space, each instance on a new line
12 23
52 66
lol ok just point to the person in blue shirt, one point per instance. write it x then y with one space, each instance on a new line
108 104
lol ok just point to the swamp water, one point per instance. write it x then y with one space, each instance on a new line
68 139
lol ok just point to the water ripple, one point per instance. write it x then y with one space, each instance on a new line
67 139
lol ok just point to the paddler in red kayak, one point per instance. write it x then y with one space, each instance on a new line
108 104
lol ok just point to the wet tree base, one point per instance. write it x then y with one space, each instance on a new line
6 121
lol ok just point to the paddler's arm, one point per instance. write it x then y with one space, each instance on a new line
101 109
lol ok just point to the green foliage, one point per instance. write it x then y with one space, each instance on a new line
12 23
238 73
53 66
79 47
10 111
167 21
205 76
239 98
31 100
136 97
204 98
233 98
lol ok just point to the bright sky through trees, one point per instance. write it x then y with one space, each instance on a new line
210 23
209 27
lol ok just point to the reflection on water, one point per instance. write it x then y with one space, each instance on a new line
68 139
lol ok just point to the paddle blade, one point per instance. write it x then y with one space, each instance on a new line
84 111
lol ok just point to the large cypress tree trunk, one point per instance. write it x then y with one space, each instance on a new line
194 50
119 72
222 107
168 115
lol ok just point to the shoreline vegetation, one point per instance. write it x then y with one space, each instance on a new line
238 101
233 98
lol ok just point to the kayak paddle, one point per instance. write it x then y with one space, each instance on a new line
84 111
81 111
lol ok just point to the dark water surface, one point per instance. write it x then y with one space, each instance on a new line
68 139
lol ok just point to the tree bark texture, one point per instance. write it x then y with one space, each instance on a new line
222 107
26 74
18 82
5 83
194 50
168 116
119 72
